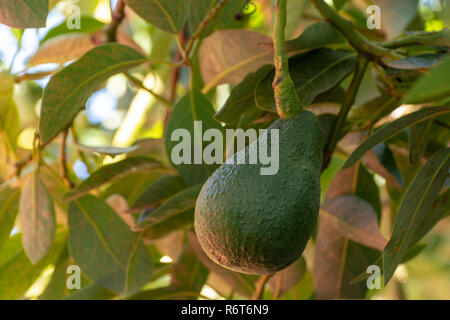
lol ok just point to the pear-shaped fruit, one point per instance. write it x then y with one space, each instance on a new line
260 224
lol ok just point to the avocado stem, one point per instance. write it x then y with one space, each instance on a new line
286 99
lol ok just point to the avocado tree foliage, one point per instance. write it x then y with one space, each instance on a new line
109 201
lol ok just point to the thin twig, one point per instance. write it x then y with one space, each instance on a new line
63 158
257 295
175 75
349 100
202 26
356 40
140 85
117 16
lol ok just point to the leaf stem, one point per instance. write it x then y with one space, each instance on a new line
349 100
287 101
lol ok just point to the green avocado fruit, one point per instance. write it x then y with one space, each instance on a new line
260 224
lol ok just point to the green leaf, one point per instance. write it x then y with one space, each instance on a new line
418 139
315 36
68 90
37 219
434 86
57 287
108 150
194 106
112 172
422 61
92 291
105 248
6 88
415 205
9 207
189 274
169 15
175 205
242 97
24 13
339 4
158 192
198 9
313 73
439 210
181 221
17 274
88 25
392 129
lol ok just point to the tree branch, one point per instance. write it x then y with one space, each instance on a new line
117 16
140 85
349 100
356 40
62 159
257 295
202 26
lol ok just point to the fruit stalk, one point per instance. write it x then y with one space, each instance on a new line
287 101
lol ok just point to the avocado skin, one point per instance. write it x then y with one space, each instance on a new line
258 224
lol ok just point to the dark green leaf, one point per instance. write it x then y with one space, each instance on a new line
69 89
181 221
37 219
194 106
315 36
418 138
24 13
9 207
434 86
422 61
112 172
105 248
198 9
189 274
339 4
92 291
415 205
158 192
175 205
313 73
168 15
242 97
392 129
